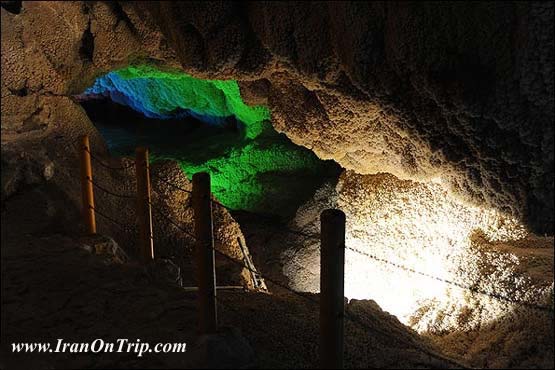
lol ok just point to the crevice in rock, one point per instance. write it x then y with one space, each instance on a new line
197 44
122 16
13 7
86 51
24 91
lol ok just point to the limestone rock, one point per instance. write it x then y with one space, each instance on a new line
175 204
414 90
104 247
417 90
21 169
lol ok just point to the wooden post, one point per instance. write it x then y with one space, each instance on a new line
332 268
144 212
86 185
205 257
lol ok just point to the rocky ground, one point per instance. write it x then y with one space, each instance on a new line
56 285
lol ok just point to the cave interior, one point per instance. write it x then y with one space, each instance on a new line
428 126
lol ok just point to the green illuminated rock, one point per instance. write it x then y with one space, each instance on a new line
252 166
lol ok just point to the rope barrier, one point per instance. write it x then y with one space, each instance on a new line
221 205
167 218
124 227
170 183
111 192
449 282
100 161
288 230
314 301
107 166
300 233
231 259
348 313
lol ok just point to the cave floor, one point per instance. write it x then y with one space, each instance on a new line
52 288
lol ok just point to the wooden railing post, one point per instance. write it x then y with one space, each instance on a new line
86 184
205 257
144 212
332 268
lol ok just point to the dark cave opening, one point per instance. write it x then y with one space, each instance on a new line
86 51
124 129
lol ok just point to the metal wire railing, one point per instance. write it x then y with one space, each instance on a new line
111 219
348 314
112 193
493 295
168 182
308 297
107 166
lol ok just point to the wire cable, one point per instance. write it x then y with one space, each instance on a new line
348 314
233 260
167 218
124 227
170 183
111 192
288 230
449 282
107 166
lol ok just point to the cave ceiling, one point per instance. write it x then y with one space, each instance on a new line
452 92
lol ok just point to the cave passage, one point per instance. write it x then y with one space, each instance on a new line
205 126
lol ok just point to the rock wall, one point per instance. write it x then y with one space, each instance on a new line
421 90
463 92
470 278
393 223
51 51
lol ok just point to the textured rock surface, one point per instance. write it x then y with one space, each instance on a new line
175 204
461 91
465 276
87 299
521 337
225 350
104 247
458 91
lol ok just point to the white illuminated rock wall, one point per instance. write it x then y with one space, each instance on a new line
421 227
